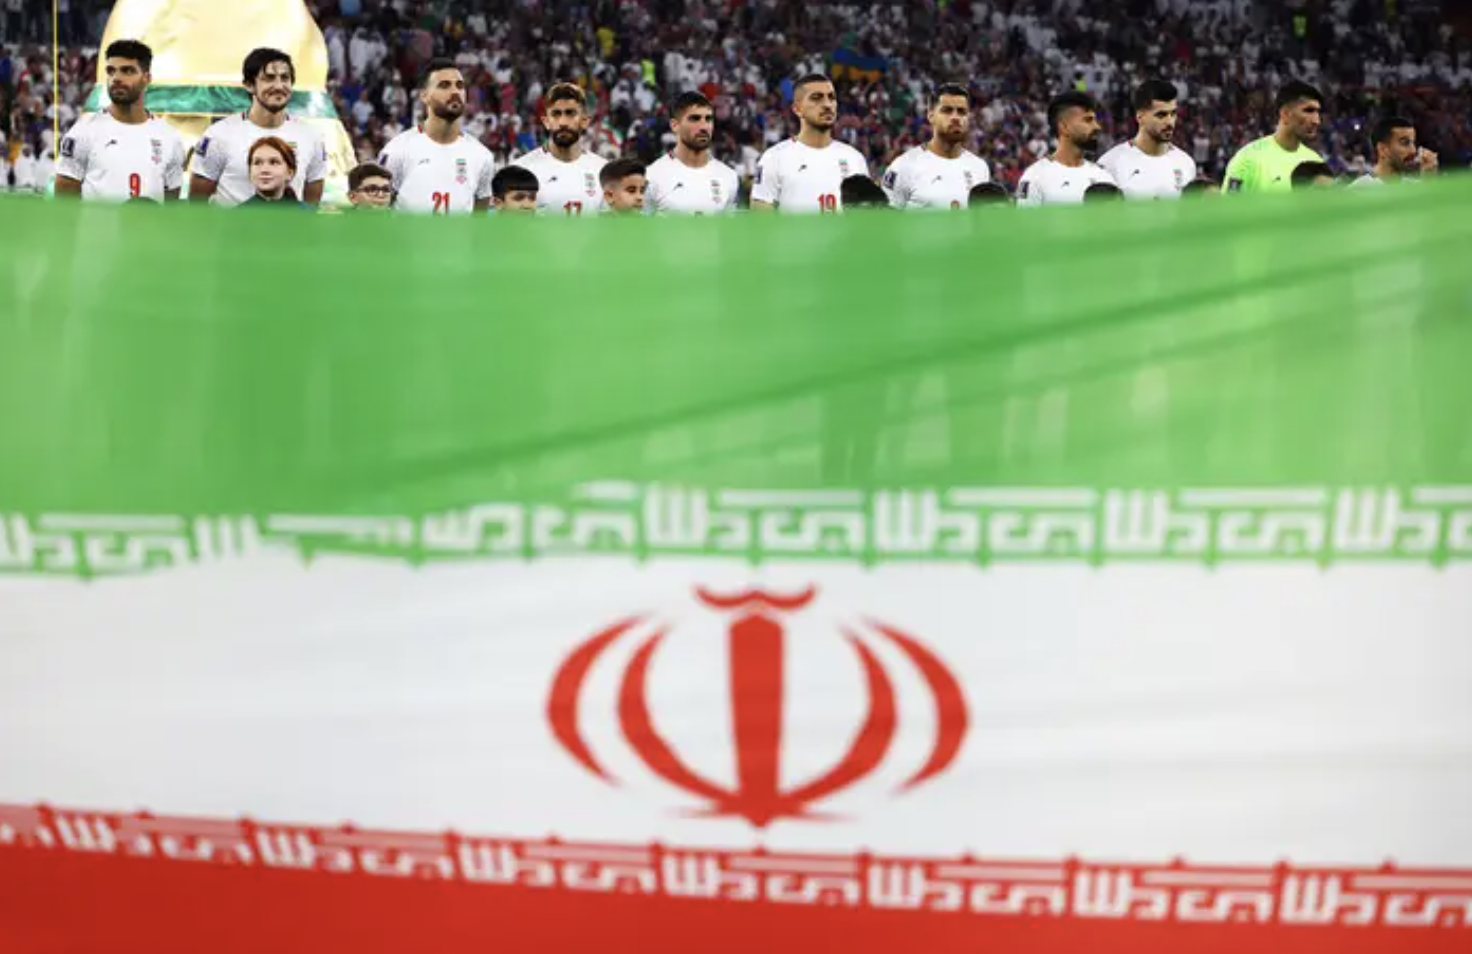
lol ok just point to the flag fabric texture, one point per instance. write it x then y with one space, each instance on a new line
1096 579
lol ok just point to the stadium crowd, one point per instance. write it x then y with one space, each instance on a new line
1226 58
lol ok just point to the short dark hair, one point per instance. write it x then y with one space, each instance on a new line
950 89
985 193
135 50
618 170
364 171
433 67
1063 102
514 179
1306 172
1384 129
688 101
1153 90
1295 91
807 80
262 57
862 192
563 92
1202 185
1103 192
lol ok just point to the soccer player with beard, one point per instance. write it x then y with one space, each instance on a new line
1267 164
806 174
1148 166
566 172
689 179
123 152
436 167
1396 154
221 160
941 173
1063 177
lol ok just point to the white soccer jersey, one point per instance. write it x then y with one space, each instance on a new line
117 161
677 188
432 177
922 180
1046 182
223 156
799 178
1140 175
566 188
1368 179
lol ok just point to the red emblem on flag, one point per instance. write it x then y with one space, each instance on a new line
754 646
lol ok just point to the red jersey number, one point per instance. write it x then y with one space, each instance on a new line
135 185
828 204
441 203
573 208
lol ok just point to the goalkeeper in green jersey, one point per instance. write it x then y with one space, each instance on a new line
1267 164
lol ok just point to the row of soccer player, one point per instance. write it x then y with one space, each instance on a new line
265 155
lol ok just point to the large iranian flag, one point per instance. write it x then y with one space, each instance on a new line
698 586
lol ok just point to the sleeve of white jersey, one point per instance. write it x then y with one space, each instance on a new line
1107 163
863 169
768 183
317 162
174 170
76 147
896 184
392 159
651 192
211 155
984 171
733 191
1191 172
1028 193
487 173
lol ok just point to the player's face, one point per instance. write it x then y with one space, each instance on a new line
272 88
1158 121
695 127
444 95
626 195
374 193
268 171
1081 127
1401 150
950 118
1304 118
126 81
565 122
517 200
817 106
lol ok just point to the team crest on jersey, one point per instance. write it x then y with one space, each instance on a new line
462 171
967 174
157 146
843 168
715 191
590 183
1179 176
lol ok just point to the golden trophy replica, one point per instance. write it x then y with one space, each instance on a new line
198 47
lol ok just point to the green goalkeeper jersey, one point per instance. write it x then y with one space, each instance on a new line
1265 166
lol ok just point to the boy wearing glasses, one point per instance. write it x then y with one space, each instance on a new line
370 187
